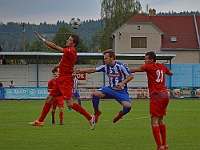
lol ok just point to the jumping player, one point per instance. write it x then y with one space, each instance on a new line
119 75
64 83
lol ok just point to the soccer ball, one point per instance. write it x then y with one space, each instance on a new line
75 23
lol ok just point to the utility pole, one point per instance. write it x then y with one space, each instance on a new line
147 10
14 47
23 41
23 36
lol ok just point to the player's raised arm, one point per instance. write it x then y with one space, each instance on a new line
56 67
133 70
50 44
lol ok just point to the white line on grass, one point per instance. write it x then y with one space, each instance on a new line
111 120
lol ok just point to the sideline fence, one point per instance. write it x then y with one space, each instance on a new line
29 93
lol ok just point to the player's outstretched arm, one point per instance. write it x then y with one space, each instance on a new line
87 70
133 70
50 44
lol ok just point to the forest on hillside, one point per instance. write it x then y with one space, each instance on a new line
12 34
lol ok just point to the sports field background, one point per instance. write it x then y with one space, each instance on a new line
132 132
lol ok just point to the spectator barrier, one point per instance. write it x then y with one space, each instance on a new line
86 93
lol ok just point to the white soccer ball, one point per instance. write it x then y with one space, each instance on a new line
75 23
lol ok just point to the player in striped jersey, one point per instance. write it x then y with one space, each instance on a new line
75 91
119 75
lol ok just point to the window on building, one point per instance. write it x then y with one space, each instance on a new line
173 39
138 42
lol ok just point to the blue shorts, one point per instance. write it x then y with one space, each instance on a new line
119 95
76 95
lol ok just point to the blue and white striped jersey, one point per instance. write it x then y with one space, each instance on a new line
75 85
116 73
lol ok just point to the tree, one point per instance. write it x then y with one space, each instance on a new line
38 46
114 13
59 39
63 34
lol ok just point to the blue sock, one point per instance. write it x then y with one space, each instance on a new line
79 102
95 102
125 110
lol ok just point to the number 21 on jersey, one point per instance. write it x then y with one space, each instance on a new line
159 75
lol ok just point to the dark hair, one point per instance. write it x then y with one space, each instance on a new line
75 39
151 55
111 53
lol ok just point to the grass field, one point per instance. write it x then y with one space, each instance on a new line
132 132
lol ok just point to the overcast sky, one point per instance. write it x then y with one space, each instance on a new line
39 11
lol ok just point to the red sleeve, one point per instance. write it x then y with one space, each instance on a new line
50 84
145 67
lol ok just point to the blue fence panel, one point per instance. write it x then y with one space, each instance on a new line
182 75
185 75
197 75
1 93
168 80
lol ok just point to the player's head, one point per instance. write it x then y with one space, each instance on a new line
150 57
109 56
73 40
56 74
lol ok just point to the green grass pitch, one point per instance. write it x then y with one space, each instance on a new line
132 132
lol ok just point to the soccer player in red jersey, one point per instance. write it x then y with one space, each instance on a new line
65 82
58 101
159 97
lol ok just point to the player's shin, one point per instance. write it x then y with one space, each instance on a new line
79 102
125 110
95 102
45 110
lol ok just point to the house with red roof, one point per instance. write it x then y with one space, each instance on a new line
161 34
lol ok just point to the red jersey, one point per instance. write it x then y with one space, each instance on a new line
156 77
68 61
51 83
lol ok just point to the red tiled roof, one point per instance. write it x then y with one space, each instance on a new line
182 27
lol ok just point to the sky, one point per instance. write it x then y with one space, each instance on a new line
40 11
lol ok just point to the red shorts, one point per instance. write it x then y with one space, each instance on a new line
158 106
57 101
63 87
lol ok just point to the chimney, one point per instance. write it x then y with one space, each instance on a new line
152 12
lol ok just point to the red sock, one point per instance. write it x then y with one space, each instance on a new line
82 111
61 117
97 112
156 134
45 111
163 133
